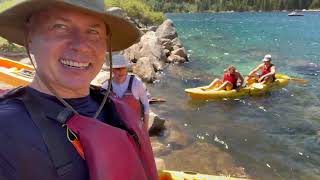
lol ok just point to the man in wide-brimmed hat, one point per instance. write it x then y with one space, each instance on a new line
68 41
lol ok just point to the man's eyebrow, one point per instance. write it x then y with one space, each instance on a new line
62 19
96 26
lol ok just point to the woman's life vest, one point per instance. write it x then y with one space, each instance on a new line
231 78
129 109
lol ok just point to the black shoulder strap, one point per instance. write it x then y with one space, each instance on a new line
130 83
15 93
58 150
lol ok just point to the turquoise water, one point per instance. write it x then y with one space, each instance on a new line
276 136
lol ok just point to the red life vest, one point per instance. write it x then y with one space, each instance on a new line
110 153
129 109
230 78
266 70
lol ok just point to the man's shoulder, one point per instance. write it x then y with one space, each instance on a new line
137 79
11 108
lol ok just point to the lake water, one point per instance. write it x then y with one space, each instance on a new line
276 136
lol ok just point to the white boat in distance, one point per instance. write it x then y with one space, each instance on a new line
295 14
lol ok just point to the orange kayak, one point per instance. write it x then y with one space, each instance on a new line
14 73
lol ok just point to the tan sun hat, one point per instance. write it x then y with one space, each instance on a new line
13 20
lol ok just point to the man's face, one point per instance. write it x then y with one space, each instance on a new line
267 63
120 74
69 47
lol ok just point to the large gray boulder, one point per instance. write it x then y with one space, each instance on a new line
151 47
144 69
133 52
167 30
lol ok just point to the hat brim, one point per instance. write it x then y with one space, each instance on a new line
13 20
266 60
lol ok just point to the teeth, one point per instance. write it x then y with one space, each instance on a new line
75 64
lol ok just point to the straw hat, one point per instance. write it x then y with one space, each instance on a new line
13 20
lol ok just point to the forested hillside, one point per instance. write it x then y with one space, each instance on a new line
228 5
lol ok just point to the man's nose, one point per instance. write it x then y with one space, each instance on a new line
80 43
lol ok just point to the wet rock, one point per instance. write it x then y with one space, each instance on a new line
157 65
167 30
176 59
144 69
180 52
156 124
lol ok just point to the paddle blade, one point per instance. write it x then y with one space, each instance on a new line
299 80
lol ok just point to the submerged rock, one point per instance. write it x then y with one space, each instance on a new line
211 160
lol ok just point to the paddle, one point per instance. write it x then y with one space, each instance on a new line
154 100
299 80
294 79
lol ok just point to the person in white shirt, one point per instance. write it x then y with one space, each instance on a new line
125 85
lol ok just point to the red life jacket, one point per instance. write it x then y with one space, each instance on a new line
110 153
266 70
129 109
230 78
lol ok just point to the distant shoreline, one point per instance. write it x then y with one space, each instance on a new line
232 11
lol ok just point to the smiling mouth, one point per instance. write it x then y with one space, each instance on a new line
73 64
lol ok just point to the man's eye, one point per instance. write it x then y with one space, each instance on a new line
93 31
59 26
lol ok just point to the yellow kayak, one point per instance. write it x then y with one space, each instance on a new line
181 175
14 73
254 89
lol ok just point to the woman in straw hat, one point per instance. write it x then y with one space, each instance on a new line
68 41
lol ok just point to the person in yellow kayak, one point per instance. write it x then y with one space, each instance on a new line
263 73
229 81
59 127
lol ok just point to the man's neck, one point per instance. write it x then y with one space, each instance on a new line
120 80
62 92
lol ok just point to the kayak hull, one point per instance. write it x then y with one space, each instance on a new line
254 90
181 175
15 73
